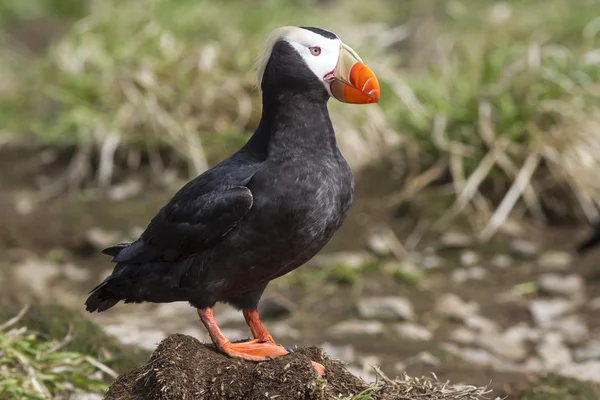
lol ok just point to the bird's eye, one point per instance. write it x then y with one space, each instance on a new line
315 50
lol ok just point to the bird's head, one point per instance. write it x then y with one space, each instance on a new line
315 61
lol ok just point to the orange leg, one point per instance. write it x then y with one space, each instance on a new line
260 333
252 350
261 348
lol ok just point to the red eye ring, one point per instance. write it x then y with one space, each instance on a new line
315 50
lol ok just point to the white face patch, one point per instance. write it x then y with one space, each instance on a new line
320 54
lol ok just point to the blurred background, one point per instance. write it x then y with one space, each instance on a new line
477 177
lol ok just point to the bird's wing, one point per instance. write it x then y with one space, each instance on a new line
183 228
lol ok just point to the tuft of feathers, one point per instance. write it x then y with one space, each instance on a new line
263 57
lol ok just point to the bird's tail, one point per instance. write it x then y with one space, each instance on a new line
103 296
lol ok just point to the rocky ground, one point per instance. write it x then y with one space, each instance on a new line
499 314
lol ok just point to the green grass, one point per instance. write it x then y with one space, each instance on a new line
36 366
483 91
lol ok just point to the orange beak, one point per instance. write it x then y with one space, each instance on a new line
352 81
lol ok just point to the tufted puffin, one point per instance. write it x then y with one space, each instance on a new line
262 212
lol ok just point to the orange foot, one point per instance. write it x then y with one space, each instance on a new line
261 350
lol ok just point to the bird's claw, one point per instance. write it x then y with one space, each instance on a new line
288 350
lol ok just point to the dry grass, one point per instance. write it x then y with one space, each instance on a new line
503 97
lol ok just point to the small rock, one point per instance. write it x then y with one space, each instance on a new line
275 308
81 395
522 248
36 275
463 336
453 239
587 371
147 339
463 274
125 190
591 351
501 261
100 238
468 258
451 306
412 331
345 353
431 261
74 273
554 284
481 324
357 327
502 346
553 352
397 308
594 304
545 311
235 334
366 374
573 329
400 367
555 260
283 330
425 358
475 356
522 333
378 244
533 365
352 260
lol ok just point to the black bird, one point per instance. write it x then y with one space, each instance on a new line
262 212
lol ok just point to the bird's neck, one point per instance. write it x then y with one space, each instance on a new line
292 123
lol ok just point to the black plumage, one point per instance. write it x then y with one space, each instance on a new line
255 216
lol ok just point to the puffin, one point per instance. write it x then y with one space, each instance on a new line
264 211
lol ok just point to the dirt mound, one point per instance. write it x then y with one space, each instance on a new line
182 368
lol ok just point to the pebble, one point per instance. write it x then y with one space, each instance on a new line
412 331
555 260
397 308
425 358
147 339
572 328
345 353
81 395
463 336
356 328
501 261
275 308
378 244
99 238
552 351
587 371
591 351
464 274
522 248
468 258
475 356
502 346
562 285
454 239
125 190
283 330
431 261
545 311
400 367
352 260
522 332
453 307
594 304
481 324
